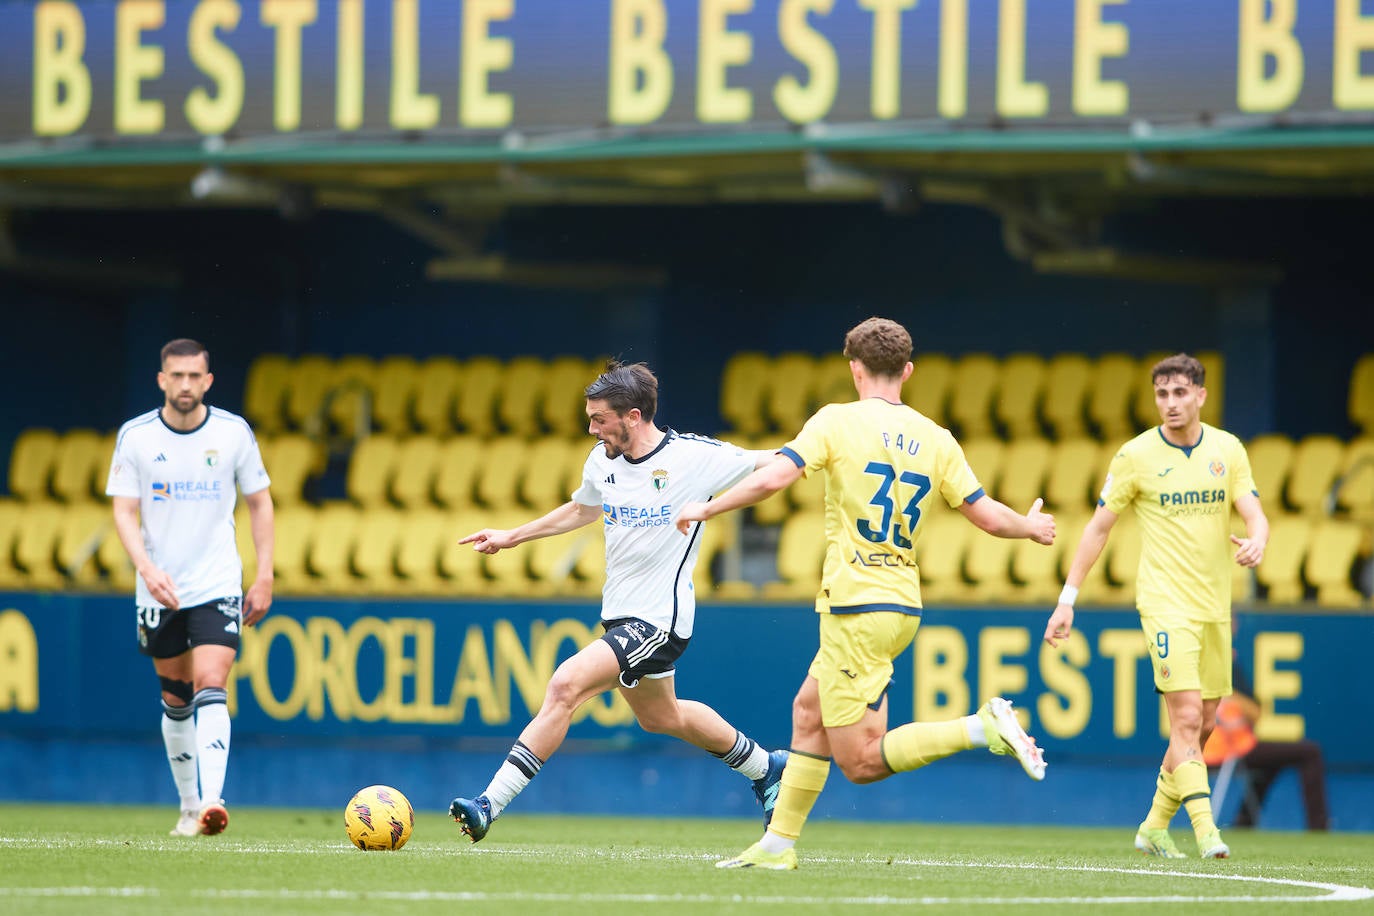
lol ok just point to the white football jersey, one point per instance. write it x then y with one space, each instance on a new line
649 563
185 483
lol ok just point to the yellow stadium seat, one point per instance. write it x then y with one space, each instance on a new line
114 562
503 464
1122 558
243 541
1064 406
84 526
743 383
393 393
1143 401
801 551
591 562
563 409
1025 468
719 548
927 390
521 395
940 554
1336 547
1281 571
832 382
1096 588
331 548
31 463
417 463
544 483
374 551
972 389
508 572
1356 493
294 532
459 564
1215 368
808 492
987 567
1271 455
1017 402
35 549
264 393
1035 570
475 401
553 561
1111 393
307 384
455 477
1073 482
292 460
371 469
1360 402
1316 464
787 400
985 456
423 535
76 466
11 518
350 397
436 391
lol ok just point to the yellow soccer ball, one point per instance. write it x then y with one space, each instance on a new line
379 817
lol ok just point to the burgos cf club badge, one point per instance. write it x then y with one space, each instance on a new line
211 457
1217 468
660 480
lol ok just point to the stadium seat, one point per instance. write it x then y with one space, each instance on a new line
801 552
1073 482
83 527
742 385
417 463
832 382
423 536
371 468
808 492
1019 388
1025 468
787 399
1064 404
1215 367
1116 377
927 391
349 401
591 562
1123 553
264 393
393 393
987 567
1271 455
974 383
294 534
1281 572
330 556
11 518
508 572
35 548
475 401
459 564
504 460
1316 464
292 461
243 540
459 462
1096 588
521 395
940 554
544 482
717 560
985 456
552 562
1330 562
563 409
1035 571
375 549
1360 404
308 383
114 562
31 463
436 390
1355 495
77 466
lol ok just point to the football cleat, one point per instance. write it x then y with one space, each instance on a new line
473 816
213 818
766 789
1212 847
755 857
1006 736
1157 842
188 824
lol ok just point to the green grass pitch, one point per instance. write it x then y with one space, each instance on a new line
113 860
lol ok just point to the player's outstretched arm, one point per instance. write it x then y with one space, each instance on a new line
568 517
997 518
1090 547
779 473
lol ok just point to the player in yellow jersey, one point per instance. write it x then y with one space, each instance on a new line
1182 477
884 464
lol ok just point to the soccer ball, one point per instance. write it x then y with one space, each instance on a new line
379 817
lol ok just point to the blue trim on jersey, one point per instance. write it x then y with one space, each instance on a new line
669 435
798 460
677 576
140 420
975 496
231 416
1101 501
880 606
1187 450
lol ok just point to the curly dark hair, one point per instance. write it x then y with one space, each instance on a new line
881 344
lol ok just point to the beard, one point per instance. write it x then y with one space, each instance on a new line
185 404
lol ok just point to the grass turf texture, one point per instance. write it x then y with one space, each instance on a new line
117 860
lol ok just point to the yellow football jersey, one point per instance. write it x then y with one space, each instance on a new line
1183 498
882 461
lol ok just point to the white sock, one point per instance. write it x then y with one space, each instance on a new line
179 737
212 741
772 843
976 733
510 780
746 757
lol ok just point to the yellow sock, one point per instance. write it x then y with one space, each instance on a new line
912 746
1191 780
1165 804
802 782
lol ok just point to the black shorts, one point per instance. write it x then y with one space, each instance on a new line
642 648
164 633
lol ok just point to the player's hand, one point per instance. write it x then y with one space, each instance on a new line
257 601
1060 625
1042 523
692 512
488 540
1249 552
161 587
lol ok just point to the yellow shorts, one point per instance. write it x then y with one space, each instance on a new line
1189 655
854 663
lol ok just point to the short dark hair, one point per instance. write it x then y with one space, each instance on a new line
626 386
881 344
1179 364
185 346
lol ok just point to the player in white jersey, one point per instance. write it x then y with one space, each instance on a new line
173 481
634 482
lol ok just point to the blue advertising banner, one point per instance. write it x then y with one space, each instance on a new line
327 670
154 69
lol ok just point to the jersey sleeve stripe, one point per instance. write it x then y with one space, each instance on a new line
796 459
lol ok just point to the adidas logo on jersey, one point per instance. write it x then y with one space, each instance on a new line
610 478
160 457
